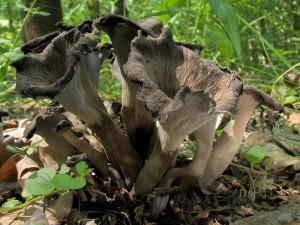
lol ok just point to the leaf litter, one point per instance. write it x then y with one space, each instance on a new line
275 176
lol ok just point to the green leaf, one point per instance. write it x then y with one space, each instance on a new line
26 194
78 182
11 202
290 99
169 8
64 169
256 154
40 183
20 5
218 36
41 13
83 168
229 21
65 182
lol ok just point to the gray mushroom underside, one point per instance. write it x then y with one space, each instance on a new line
48 73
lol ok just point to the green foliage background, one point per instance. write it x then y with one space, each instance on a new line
258 39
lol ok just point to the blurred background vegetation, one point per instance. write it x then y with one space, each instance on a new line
258 39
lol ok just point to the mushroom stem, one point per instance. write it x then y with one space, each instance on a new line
94 153
205 137
191 115
119 149
231 138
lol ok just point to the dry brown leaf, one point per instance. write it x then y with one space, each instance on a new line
256 138
247 210
8 172
38 217
4 154
50 157
91 222
26 166
17 132
59 209
203 214
11 218
294 119
278 158
293 78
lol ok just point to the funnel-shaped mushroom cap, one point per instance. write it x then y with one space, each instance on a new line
161 66
181 91
109 22
38 45
47 74
67 69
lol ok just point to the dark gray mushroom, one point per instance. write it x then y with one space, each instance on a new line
44 124
211 161
181 91
85 143
138 122
68 70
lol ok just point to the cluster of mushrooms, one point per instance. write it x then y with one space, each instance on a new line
168 93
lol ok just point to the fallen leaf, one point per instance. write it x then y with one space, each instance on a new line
277 158
293 78
60 208
8 171
256 138
4 154
294 119
286 137
38 217
203 214
248 210
11 218
26 166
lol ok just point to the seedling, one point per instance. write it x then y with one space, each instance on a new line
46 182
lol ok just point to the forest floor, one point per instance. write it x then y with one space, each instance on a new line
266 193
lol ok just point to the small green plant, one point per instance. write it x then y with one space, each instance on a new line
23 151
255 154
11 202
46 182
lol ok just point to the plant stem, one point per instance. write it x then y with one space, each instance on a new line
27 203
